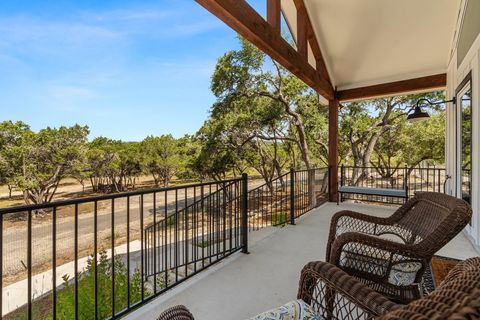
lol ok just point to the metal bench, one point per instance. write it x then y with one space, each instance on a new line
396 193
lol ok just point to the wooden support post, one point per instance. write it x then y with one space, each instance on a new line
273 14
333 149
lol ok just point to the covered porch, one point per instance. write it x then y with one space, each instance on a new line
242 286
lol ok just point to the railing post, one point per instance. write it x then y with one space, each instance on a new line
342 175
292 196
244 212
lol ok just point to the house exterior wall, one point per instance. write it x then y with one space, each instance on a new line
456 73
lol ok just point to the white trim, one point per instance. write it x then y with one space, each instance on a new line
455 75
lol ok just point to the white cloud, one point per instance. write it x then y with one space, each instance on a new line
69 97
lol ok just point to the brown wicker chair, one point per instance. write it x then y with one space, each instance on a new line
336 295
176 313
394 267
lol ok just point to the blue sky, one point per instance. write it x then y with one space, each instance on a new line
127 69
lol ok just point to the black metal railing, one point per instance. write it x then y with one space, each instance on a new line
287 197
413 179
188 240
100 257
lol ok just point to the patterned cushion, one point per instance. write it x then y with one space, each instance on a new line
294 310
403 274
372 260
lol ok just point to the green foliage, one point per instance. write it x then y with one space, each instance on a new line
86 289
11 137
113 165
86 302
259 119
375 132
279 219
203 244
162 158
38 161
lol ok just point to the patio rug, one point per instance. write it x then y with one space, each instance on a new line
436 272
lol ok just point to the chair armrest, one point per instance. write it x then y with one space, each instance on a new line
336 295
404 249
360 217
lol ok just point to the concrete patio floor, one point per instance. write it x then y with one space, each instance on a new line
244 285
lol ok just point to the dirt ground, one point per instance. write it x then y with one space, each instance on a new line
69 188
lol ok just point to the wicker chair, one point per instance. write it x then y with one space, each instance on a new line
394 266
334 294
176 313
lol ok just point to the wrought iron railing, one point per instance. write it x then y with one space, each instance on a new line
188 240
287 197
100 257
87 258
415 179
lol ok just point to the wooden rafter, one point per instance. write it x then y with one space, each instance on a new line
274 14
437 81
240 16
302 34
312 39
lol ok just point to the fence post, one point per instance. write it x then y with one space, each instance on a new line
342 174
292 196
244 212
406 182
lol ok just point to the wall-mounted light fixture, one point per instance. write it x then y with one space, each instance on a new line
418 114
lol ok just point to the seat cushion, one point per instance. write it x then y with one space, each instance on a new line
293 310
376 261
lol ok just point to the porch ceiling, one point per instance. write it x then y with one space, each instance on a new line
371 42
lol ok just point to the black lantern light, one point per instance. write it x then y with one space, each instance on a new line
418 114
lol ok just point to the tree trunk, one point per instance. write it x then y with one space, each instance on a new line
10 190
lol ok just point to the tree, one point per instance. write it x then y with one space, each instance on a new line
215 158
46 157
11 137
162 158
244 79
100 155
113 165
362 124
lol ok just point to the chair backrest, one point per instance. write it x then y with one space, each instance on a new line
457 297
433 218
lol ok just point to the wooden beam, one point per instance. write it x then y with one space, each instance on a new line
333 108
393 88
274 14
312 40
240 16
302 44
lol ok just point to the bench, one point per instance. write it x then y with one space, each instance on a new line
396 193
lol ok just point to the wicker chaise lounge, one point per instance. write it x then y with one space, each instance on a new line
330 293
390 254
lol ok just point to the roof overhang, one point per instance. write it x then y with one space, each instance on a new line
363 49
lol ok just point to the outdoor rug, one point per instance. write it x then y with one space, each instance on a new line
436 272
